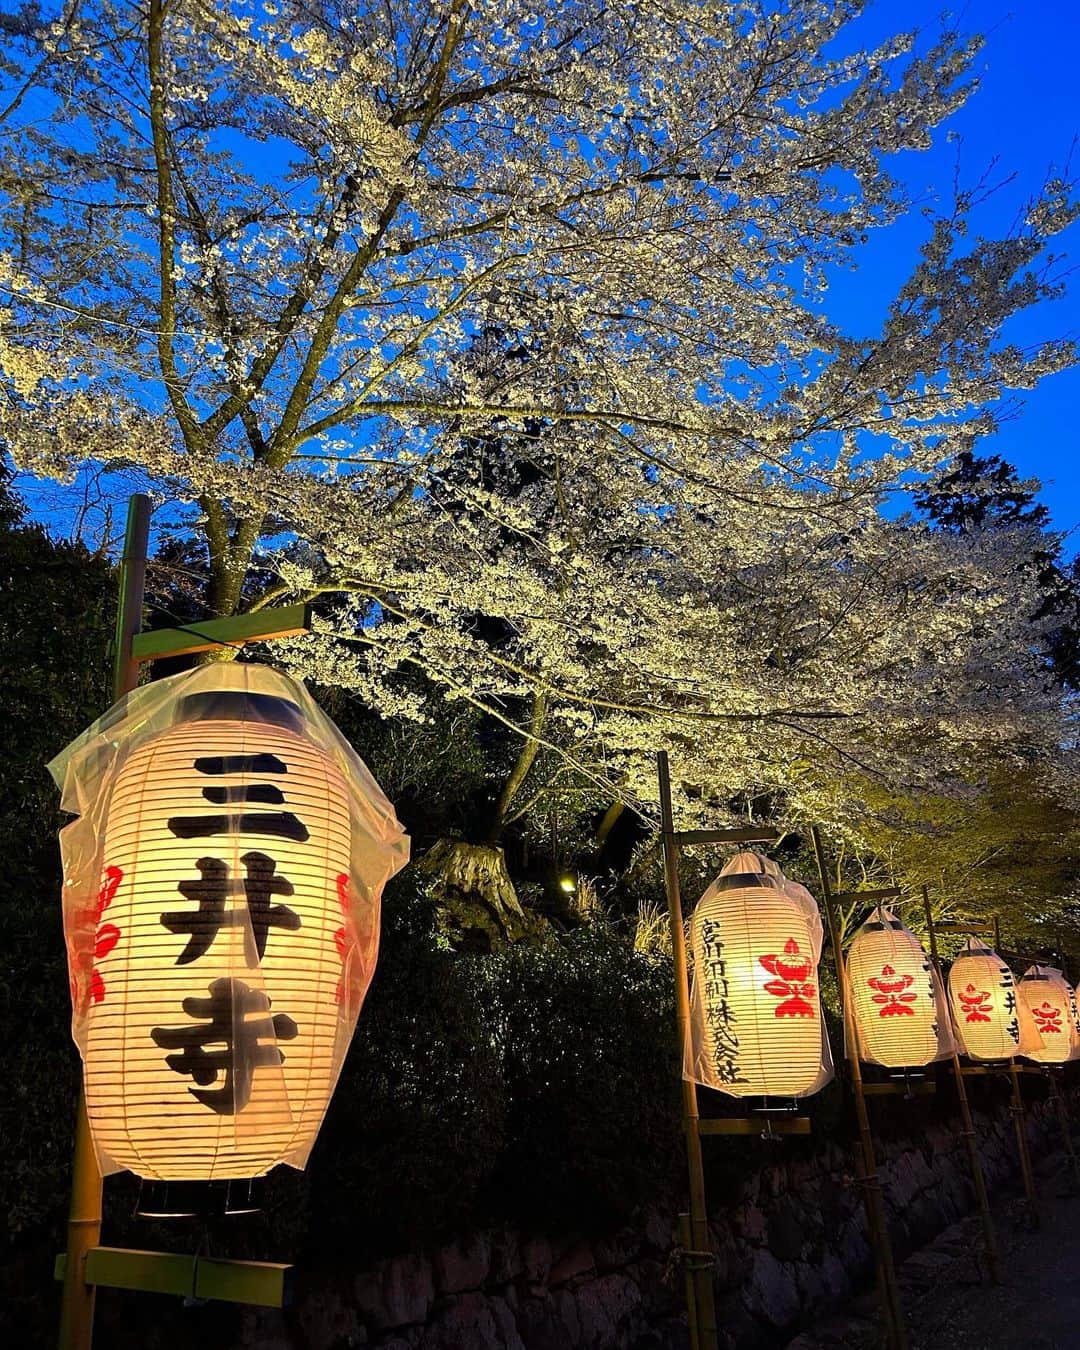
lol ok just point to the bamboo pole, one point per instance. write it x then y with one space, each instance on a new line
1016 1110
686 1242
885 1269
704 1302
990 1242
84 1215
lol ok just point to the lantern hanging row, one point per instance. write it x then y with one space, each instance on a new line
992 1022
898 1003
222 886
755 1010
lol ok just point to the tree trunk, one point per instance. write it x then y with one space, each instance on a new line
229 563
524 762
611 816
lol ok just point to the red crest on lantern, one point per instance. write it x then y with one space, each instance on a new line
791 984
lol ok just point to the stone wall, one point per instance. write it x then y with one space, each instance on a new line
792 1245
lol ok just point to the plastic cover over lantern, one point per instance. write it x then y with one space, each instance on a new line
900 1014
990 1021
221 910
755 1013
1051 1002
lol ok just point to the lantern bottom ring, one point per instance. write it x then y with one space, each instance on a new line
199 1199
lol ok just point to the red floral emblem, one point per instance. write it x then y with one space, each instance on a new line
791 984
893 995
111 884
975 1004
105 939
1048 1019
341 937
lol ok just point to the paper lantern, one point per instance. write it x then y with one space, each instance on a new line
1049 999
756 1025
985 1008
221 910
897 1001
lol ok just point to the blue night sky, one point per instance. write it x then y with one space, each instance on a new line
1026 113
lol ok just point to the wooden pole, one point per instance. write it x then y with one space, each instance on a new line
84 1216
990 1242
704 1302
888 1290
1016 1110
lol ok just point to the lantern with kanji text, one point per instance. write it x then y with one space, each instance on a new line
221 910
989 1022
755 1011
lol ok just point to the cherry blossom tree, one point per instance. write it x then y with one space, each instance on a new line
504 330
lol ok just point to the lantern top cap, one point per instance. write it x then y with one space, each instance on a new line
240 705
746 860
243 690
881 916
745 870
1040 970
976 947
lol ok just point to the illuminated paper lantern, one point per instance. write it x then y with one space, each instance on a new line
221 910
898 1004
1051 1002
990 1022
756 1025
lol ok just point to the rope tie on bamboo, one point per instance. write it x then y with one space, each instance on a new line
694 1260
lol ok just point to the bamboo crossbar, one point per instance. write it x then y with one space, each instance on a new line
920 1089
265 1283
748 834
283 621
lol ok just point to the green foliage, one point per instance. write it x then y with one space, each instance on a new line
1009 851
586 1029
417 1122
55 625
535 1085
55 602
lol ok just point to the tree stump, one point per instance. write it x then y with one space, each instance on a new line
478 906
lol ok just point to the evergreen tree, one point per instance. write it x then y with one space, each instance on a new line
977 493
